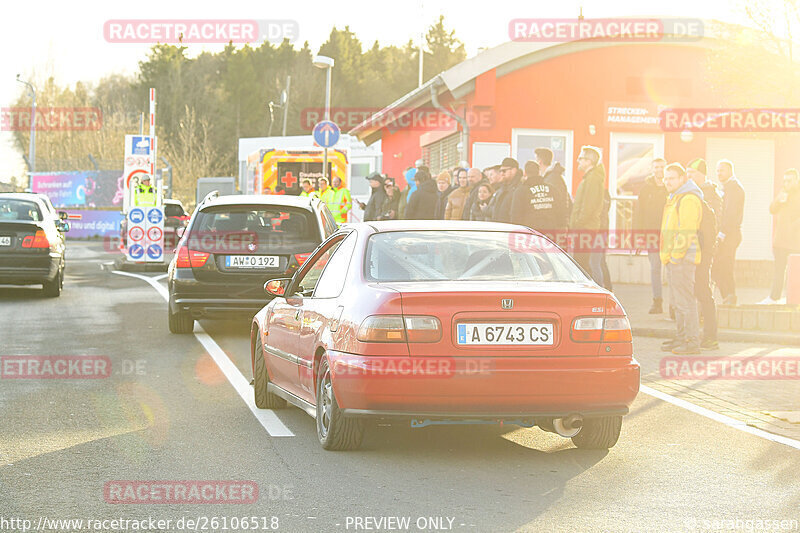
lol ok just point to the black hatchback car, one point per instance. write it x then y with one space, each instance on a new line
32 243
232 246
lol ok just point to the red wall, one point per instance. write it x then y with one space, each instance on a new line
572 91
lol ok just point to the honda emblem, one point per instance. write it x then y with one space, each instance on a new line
507 303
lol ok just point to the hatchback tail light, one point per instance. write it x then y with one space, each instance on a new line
187 258
36 241
301 258
601 329
399 328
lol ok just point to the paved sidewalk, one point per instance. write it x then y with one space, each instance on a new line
637 299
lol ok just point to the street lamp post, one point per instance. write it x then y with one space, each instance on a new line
32 147
326 63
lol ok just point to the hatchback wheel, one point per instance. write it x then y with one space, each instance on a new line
264 399
335 432
598 433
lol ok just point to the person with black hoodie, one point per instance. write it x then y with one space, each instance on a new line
475 178
510 178
553 174
444 186
534 203
422 205
376 198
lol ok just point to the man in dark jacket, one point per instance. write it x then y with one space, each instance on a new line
376 198
534 203
647 214
391 200
553 174
587 211
476 178
730 231
786 210
422 205
696 171
501 203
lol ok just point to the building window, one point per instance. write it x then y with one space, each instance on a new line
525 141
442 154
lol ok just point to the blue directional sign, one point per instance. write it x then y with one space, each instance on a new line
136 215
155 215
154 251
326 133
136 251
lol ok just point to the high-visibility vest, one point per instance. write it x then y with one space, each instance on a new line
145 196
312 194
343 203
329 198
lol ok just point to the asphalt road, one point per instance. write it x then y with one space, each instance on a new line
167 412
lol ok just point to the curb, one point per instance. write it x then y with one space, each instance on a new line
727 336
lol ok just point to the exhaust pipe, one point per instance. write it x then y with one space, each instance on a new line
568 426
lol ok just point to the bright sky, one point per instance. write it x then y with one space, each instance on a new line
65 39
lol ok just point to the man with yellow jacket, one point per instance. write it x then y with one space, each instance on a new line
341 201
680 252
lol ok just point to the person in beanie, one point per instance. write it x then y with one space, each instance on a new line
730 231
376 197
587 211
647 218
422 205
786 210
444 185
510 178
681 253
696 170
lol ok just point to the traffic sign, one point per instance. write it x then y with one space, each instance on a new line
136 251
154 251
326 133
154 233
155 215
136 215
136 233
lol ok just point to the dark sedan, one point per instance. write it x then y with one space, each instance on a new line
32 243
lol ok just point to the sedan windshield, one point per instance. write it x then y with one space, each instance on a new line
466 255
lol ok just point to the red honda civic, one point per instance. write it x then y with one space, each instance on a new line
445 322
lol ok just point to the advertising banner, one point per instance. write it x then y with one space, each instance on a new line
94 224
85 188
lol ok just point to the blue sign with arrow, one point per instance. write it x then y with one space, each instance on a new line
326 133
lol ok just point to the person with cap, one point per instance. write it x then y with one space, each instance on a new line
730 231
502 201
391 200
308 190
422 205
681 253
647 213
342 200
588 210
372 209
786 241
145 193
711 207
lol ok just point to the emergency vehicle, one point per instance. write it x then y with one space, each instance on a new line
270 167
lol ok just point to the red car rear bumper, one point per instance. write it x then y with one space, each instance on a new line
483 387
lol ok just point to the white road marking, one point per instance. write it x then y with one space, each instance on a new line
267 417
728 421
160 277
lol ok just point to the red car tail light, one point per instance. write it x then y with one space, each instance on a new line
601 329
189 258
398 328
36 241
423 329
382 328
301 258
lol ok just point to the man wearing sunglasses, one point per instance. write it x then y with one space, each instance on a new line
501 202
588 211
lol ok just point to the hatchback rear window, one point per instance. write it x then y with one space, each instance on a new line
13 209
467 255
278 224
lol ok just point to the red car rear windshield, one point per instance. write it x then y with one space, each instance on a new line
466 255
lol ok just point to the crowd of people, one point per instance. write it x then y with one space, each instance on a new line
698 225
